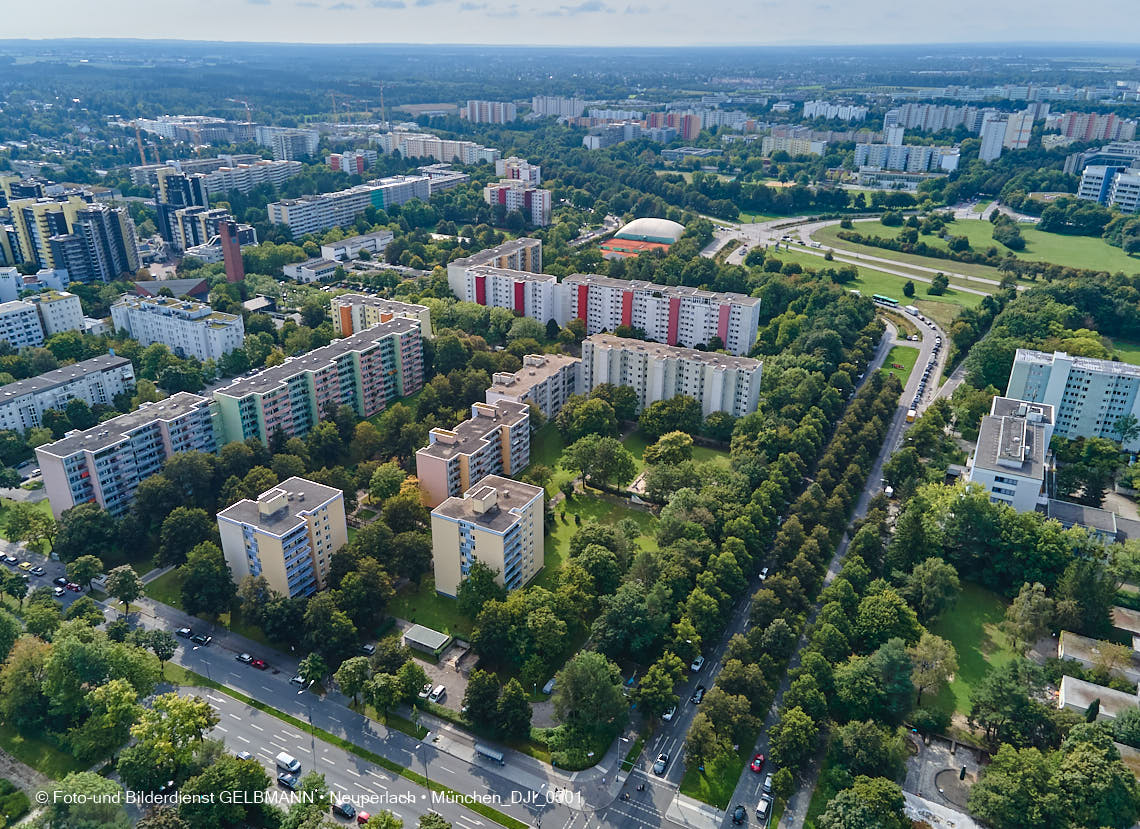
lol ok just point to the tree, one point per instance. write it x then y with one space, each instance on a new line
9 478
28 524
1085 595
352 675
702 742
383 693
42 618
433 820
672 448
184 529
938 284
931 588
908 289
84 569
869 748
884 615
85 800
125 585
1015 791
112 709
581 416
655 693
207 586
14 585
1029 616
161 817
385 481
934 661
587 695
481 700
312 668
1095 785
166 736
1126 429
384 820
255 594
364 593
601 460
871 803
162 643
201 807
86 611
514 711
792 738
480 587
677 414
411 678
328 630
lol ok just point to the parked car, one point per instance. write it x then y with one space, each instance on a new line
244 755
698 663
297 679
11 560
757 763
59 580
668 715
739 814
342 808
38 571
260 664
548 688
57 591
73 587
185 633
661 764
25 566
288 781
425 692
698 695
244 658
201 639
362 818
768 784
368 649
763 573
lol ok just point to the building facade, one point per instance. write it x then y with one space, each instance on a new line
1088 396
95 381
355 312
523 254
518 194
187 328
91 241
311 270
424 145
105 464
495 440
288 535
489 112
58 311
366 370
311 214
1011 460
519 168
353 162
718 382
498 522
546 380
20 324
351 247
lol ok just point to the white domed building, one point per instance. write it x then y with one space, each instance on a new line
642 235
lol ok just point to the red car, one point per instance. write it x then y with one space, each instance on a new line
757 763
363 817
260 664
72 586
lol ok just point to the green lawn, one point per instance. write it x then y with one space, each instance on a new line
636 442
830 236
546 446
6 505
717 782
822 793
1126 351
423 606
902 355
37 753
972 626
167 589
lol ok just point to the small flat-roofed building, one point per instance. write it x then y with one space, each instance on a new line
1077 694
1012 455
546 380
351 247
425 639
1104 524
495 440
1128 620
288 535
498 522
312 270
1088 653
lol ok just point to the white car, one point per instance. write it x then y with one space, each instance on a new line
698 663
764 574
668 715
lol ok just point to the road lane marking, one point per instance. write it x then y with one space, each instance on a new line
258 727
350 771
235 716
360 786
444 768
221 729
243 739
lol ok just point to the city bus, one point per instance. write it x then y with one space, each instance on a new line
885 300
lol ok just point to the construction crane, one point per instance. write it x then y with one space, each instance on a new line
383 113
248 113
336 116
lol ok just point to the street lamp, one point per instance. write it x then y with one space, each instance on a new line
206 664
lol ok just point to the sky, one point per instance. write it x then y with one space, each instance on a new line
573 22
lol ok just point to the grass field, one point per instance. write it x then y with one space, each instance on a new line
1071 251
37 753
167 589
902 355
636 442
546 446
830 236
972 627
1127 352
424 606
717 782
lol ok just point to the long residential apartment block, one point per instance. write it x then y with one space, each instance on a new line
546 380
1088 396
187 328
366 370
719 382
288 535
672 314
495 440
95 381
106 463
310 214
498 522
517 255
425 145
355 312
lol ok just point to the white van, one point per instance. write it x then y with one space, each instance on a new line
438 693
764 809
288 762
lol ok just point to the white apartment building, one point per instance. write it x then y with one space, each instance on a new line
670 314
12 282
353 162
718 382
20 324
355 312
546 380
58 311
1018 130
993 137
1011 459
528 294
489 112
519 168
187 328
425 145
495 440
791 146
1124 193
287 143
913 158
497 521
96 381
310 214
351 247
1088 396
517 194
523 254
827 109
557 106
288 535
244 177
311 270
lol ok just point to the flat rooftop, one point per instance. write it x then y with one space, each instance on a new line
470 435
652 287
302 496
1126 618
1012 438
1043 358
491 254
661 351
61 376
511 495
1087 652
379 302
272 377
112 431
1071 515
426 637
518 276
15 305
361 239
532 373
1078 695
317 264
51 296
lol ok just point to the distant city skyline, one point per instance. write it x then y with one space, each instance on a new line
567 22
